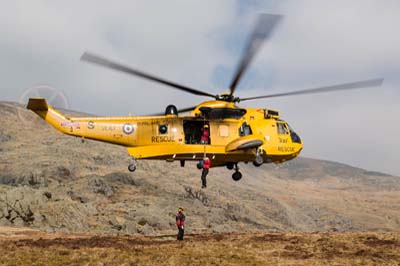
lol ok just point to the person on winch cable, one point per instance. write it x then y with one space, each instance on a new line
180 223
206 165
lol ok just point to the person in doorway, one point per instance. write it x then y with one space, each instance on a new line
180 223
204 173
205 135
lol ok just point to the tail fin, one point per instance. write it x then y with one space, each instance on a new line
45 111
37 104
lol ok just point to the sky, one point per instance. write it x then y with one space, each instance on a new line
199 43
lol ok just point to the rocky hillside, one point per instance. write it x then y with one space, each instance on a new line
58 183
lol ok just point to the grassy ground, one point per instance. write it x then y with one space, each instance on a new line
209 249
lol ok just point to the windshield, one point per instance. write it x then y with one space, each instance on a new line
293 135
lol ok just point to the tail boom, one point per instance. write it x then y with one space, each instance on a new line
97 128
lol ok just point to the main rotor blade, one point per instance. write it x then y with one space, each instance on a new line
95 59
345 86
179 111
263 29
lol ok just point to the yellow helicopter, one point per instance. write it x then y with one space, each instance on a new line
234 134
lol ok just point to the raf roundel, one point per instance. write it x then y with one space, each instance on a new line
127 129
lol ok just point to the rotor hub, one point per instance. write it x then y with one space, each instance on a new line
227 98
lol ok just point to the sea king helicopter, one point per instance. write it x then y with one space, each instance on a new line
256 135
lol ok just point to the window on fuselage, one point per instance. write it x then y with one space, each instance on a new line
282 129
244 130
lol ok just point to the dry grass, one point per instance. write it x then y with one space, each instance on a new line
207 249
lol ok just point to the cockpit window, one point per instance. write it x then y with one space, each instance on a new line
293 135
282 129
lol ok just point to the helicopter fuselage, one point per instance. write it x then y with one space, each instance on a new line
235 135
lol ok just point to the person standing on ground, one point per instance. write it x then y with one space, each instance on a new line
180 223
204 173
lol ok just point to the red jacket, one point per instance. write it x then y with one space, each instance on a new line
206 163
180 219
206 135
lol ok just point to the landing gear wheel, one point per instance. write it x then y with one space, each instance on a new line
229 166
132 168
237 176
132 165
258 161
